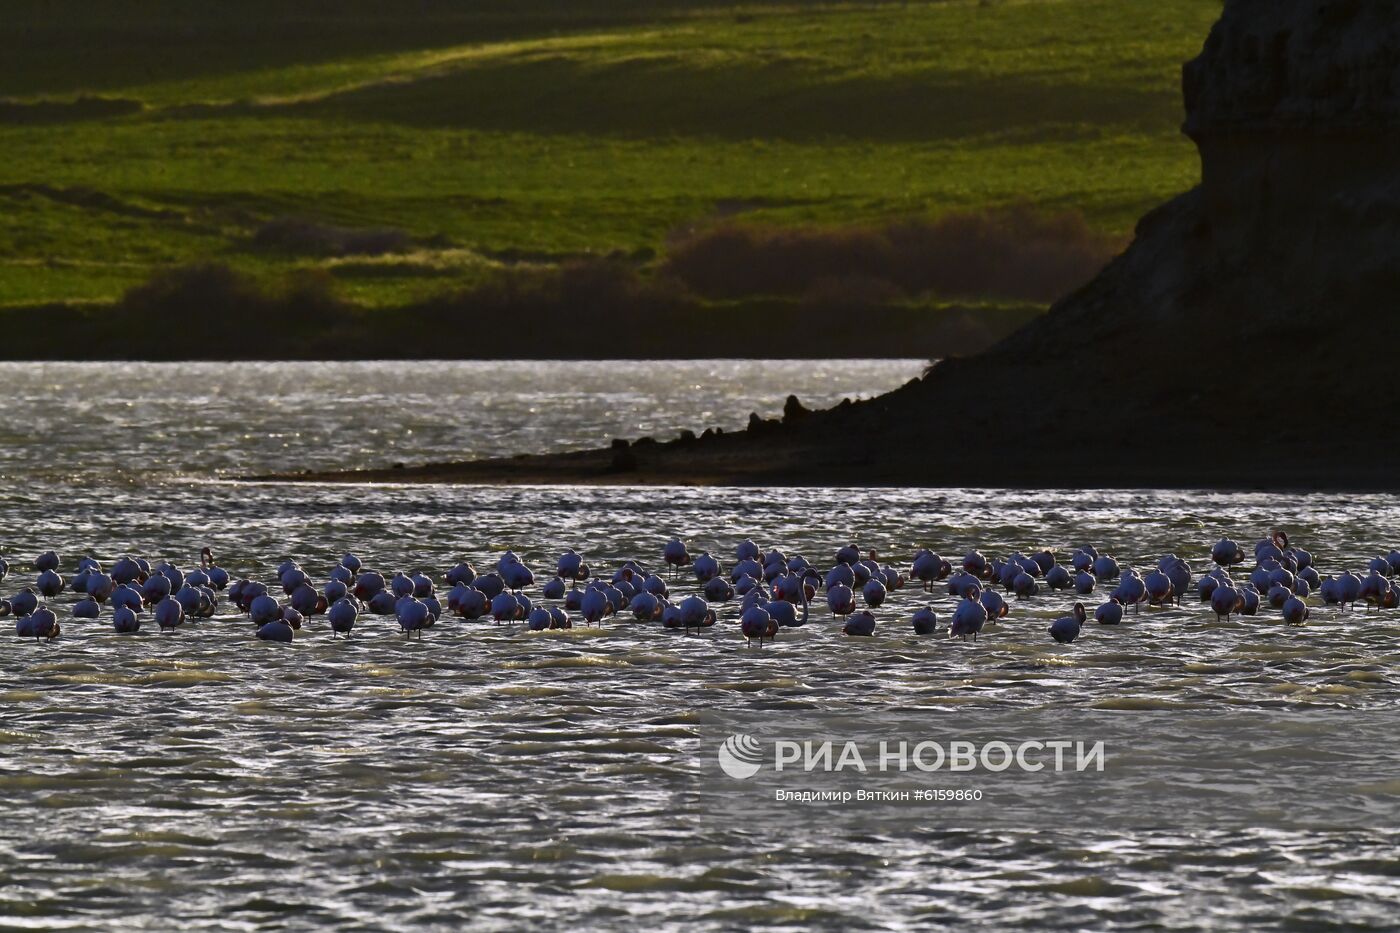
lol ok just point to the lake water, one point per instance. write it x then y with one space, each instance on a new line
497 778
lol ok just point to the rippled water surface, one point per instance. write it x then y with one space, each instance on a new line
493 777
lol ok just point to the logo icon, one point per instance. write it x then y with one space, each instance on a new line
740 756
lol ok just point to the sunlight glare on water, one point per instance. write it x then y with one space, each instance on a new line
505 779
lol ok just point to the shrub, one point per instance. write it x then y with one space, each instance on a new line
1013 253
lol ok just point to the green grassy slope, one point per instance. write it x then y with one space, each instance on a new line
533 131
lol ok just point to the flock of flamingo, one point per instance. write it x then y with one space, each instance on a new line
770 591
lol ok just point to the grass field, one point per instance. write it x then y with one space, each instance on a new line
526 133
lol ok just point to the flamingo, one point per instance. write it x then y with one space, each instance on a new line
1271 547
1351 588
1373 590
719 590
874 593
401 585
126 596
169 614
490 584
190 599
1159 588
840 600
412 614
125 620
568 566
1132 590
646 607
43 623
785 612
292 617
969 617
676 555
1226 553
505 607
1295 611
333 591
1110 613
462 572
218 576
1105 568
1226 600
995 605
1082 559
342 617
696 613
840 575
757 623
25 602
1178 572
307 601
706 568
925 621
747 567
50 583
593 606
101 587
264 609
276 630
860 624
1066 629
927 568
125 570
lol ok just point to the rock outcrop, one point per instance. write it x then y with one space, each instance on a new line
1247 338
1295 108
1304 67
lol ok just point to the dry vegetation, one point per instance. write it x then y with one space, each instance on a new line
1014 254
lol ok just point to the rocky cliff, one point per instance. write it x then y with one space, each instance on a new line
1247 337
1295 108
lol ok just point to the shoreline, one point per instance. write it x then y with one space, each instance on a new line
742 460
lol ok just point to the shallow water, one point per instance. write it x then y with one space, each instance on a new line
490 776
